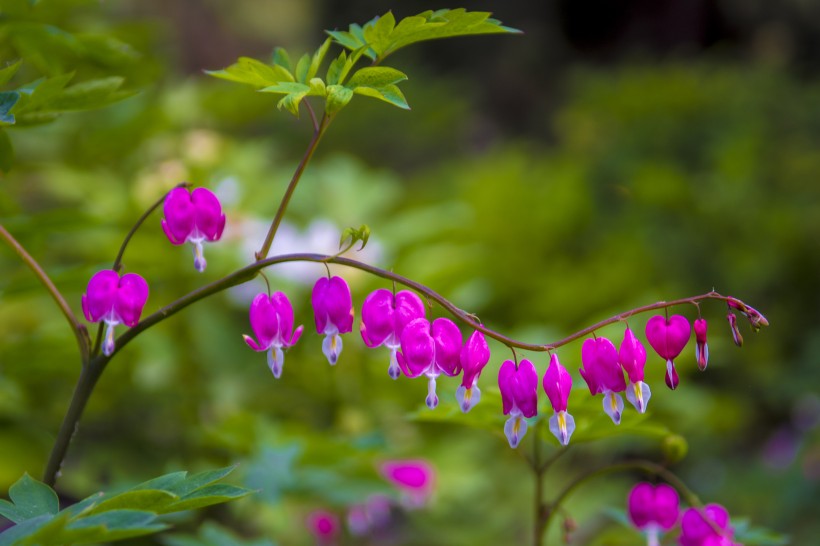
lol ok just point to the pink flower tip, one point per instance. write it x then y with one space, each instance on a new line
415 478
323 525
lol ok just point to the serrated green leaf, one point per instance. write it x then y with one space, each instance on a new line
89 94
166 482
6 161
376 76
302 68
7 73
287 88
253 72
317 87
16 535
337 98
7 101
200 480
318 57
388 93
282 58
150 500
112 525
208 495
39 95
33 498
384 38
335 68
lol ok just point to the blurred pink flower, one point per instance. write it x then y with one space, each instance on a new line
415 479
324 526
653 509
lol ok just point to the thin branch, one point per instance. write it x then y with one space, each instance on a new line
645 466
80 331
319 130
118 260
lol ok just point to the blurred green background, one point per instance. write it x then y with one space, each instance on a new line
615 154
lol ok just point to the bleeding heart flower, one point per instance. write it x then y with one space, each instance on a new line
114 300
333 312
668 336
702 350
653 509
272 321
414 478
519 397
430 351
603 374
632 357
474 356
707 526
384 316
558 384
193 217
324 526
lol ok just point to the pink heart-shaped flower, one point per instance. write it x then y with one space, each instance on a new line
668 336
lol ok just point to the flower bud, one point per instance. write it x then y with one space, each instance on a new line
702 349
735 332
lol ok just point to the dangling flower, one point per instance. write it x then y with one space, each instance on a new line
632 357
702 349
603 374
324 526
519 397
384 316
114 300
558 384
474 356
333 312
653 509
415 479
668 337
738 339
272 322
430 351
193 217
699 527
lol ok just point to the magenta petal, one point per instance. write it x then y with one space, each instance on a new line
179 214
377 314
252 343
448 339
640 505
506 373
695 529
667 506
131 298
208 217
408 307
524 388
295 336
557 384
264 320
418 347
339 304
170 234
668 336
601 369
318 299
101 295
474 356
632 356
284 311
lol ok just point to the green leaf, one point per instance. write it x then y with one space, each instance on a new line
199 480
211 534
388 93
317 59
350 236
337 98
281 58
8 72
165 482
31 498
15 535
7 101
6 161
90 94
38 96
335 69
253 72
151 500
208 495
383 36
302 68
111 525
376 76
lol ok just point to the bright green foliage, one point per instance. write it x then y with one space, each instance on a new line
108 517
382 36
211 534
376 39
351 236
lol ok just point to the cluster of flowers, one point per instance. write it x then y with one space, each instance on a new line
414 480
417 346
656 509
193 217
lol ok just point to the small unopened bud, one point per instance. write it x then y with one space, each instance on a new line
671 376
674 448
735 332
702 349
755 318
